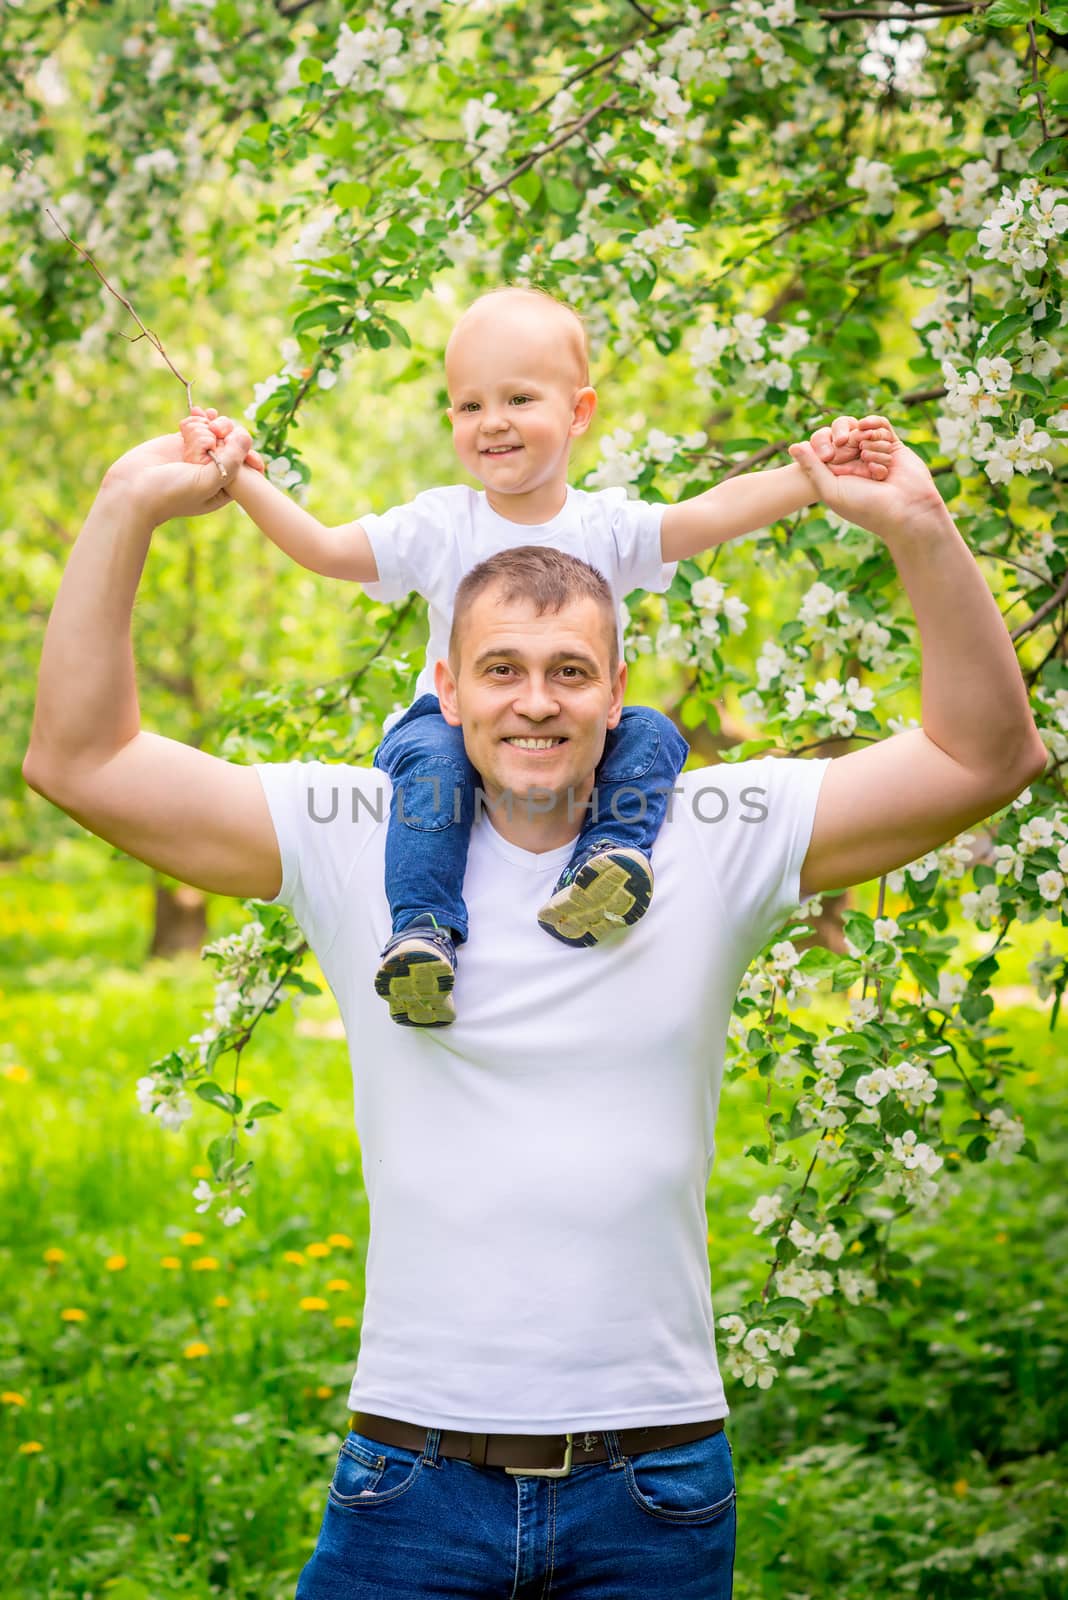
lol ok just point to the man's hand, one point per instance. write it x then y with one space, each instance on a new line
201 432
864 473
162 484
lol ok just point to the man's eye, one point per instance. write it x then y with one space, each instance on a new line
501 667
576 670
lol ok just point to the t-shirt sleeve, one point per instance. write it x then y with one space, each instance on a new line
410 543
635 534
755 820
321 830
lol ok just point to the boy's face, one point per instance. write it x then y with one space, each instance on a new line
524 676
517 393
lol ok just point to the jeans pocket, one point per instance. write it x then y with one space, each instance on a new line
634 752
368 1473
691 1482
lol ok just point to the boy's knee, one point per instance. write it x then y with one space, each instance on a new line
433 794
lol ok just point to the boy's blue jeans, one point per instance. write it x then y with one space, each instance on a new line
433 804
416 1525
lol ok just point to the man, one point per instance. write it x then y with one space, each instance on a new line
537 1403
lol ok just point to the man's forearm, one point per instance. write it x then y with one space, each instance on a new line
733 508
87 706
975 704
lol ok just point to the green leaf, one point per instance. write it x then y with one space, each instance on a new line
527 186
562 196
859 930
351 196
641 285
263 1108
311 70
1051 152
218 1096
1003 331
1058 87
1027 383
923 970
1009 13
1055 19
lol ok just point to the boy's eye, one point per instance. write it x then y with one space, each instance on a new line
520 399
469 405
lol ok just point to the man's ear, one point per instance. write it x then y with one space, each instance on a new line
582 408
619 687
445 687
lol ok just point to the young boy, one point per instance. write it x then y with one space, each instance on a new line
517 372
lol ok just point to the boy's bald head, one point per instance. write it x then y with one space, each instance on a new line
523 314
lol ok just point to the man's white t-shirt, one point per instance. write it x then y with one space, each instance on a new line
536 1171
425 548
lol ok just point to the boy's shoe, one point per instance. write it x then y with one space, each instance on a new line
610 889
417 973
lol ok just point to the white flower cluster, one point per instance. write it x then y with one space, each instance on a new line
1040 833
312 243
827 614
237 999
487 131
779 973
836 702
1054 734
717 608
1021 226
963 202
206 1197
647 248
748 1350
947 326
1045 969
822 1106
914 1085
623 460
1009 1135
968 436
877 181
765 360
365 59
910 1168
982 906
166 1100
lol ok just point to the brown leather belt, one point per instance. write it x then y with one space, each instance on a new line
550 1455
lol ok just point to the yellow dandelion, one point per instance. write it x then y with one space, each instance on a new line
960 1488
172 1263
317 1251
54 1254
74 1314
16 1073
323 1392
221 1301
1031 1078
31 1447
338 1286
201 1170
344 1322
1001 1238
952 1155
191 1238
115 1263
10 1398
295 1258
182 1538
855 1248
340 1241
261 1294
197 1348
312 1302
204 1264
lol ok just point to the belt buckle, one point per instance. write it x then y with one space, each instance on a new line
546 1472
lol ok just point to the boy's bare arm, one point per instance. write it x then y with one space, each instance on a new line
343 552
753 500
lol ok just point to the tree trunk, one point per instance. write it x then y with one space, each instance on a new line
181 920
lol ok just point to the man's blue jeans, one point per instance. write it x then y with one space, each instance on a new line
433 804
415 1525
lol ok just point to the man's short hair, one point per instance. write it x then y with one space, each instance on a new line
548 578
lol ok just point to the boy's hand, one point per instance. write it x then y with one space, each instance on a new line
888 489
863 449
203 431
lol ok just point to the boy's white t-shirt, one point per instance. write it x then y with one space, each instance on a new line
536 1171
426 547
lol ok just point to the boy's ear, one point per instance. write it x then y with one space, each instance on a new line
448 412
582 408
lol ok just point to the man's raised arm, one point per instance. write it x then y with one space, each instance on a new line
201 820
890 803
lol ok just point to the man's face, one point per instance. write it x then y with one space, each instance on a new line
522 677
517 394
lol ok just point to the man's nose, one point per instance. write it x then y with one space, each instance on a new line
536 699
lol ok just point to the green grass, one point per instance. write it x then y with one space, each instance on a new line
928 1461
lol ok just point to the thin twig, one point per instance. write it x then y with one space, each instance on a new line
1043 611
1032 55
146 333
